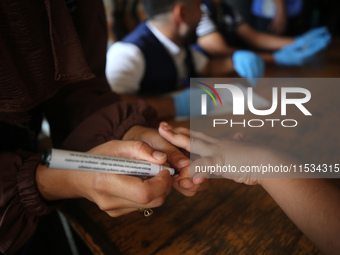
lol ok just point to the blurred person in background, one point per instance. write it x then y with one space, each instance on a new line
155 59
279 17
222 29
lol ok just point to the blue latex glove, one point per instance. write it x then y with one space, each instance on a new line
321 32
304 47
182 102
248 65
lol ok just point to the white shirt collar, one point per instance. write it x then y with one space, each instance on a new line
168 44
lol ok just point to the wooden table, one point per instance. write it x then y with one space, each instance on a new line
228 218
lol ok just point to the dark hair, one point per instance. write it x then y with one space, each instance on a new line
155 7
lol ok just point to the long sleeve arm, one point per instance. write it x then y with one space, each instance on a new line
82 96
20 201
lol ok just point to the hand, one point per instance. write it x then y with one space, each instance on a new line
214 151
248 65
175 158
315 39
114 194
304 47
182 103
316 33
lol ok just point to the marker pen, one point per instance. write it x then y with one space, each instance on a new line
71 160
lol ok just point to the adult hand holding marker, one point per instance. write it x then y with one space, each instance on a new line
115 194
297 197
71 160
182 183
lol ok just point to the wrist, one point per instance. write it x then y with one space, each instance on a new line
56 184
270 157
229 63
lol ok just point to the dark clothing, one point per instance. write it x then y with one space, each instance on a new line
51 65
226 20
294 26
160 75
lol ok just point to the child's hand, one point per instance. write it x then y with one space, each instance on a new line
213 151
175 158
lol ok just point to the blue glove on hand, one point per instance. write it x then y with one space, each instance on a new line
182 102
316 33
248 65
304 47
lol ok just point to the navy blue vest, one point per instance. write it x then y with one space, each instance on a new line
160 74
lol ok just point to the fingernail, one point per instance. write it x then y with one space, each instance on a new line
165 127
198 180
187 184
158 155
183 162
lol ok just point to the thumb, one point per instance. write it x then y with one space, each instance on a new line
131 149
143 151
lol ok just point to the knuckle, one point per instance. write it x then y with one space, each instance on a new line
98 183
114 214
139 146
189 193
174 154
103 205
160 201
144 196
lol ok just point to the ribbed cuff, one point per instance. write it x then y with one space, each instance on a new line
28 191
144 116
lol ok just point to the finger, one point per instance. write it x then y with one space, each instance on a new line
177 139
185 183
120 212
190 173
193 190
183 191
188 132
178 130
204 137
109 203
132 188
131 149
201 148
238 136
202 182
143 151
176 158
316 32
198 143
296 45
200 179
204 185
